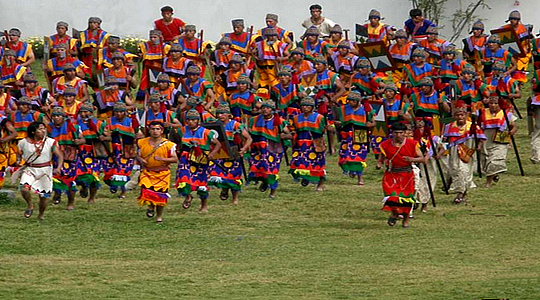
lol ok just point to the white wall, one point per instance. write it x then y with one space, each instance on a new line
135 17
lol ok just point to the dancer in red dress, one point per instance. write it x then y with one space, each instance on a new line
398 154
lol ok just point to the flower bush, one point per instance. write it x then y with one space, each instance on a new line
129 43
37 45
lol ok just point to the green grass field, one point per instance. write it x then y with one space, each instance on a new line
301 245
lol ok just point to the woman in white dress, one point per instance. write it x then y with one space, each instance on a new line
36 173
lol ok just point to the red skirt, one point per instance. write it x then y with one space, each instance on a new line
398 188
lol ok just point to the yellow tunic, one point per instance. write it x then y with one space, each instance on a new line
155 177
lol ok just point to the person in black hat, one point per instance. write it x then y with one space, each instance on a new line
61 37
239 36
283 35
302 70
175 64
105 55
7 101
125 75
24 54
170 96
55 65
11 71
40 96
229 78
493 53
92 39
69 79
475 44
524 36
378 31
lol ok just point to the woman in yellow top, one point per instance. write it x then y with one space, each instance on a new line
155 154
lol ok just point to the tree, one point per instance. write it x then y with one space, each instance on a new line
461 18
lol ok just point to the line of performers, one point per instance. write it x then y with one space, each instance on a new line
270 98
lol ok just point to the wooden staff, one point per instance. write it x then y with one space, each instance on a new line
248 47
437 162
513 141
46 56
473 127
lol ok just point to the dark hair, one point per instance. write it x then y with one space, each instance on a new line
415 12
166 8
398 126
315 6
31 130
158 123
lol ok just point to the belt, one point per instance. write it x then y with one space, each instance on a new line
400 169
42 165
157 169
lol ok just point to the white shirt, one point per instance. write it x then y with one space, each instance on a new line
324 27
27 149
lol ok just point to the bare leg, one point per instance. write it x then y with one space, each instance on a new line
331 135
424 207
405 223
71 200
28 198
235 196
320 186
93 192
489 181
272 193
122 193
159 210
204 205
361 179
42 207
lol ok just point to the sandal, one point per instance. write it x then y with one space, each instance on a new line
263 187
84 192
304 182
56 199
224 195
496 178
391 221
28 213
150 213
458 199
187 203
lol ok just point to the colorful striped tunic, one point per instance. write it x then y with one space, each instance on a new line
308 162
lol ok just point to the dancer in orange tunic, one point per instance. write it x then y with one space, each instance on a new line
155 154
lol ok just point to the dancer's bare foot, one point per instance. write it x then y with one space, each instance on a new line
204 205
361 180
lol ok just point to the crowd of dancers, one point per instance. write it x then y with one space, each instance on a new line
230 113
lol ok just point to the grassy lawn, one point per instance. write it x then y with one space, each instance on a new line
301 245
